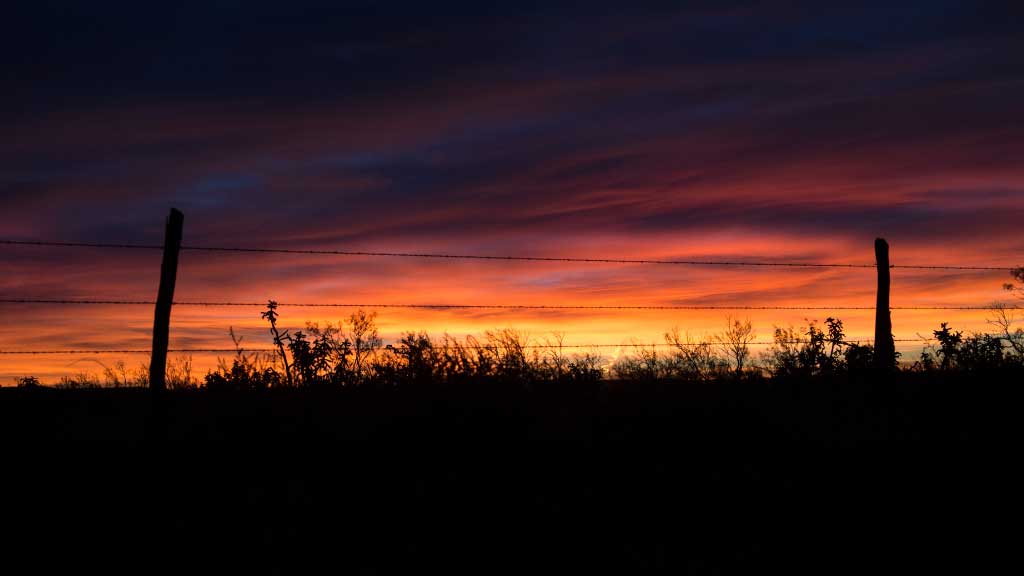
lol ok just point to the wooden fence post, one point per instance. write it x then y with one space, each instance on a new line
164 300
885 348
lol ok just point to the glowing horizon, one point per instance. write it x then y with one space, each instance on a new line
582 284
774 131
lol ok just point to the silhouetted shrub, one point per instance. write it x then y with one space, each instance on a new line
815 352
82 380
243 377
27 382
973 353
323 360
643 364
585 367
352 354
859 358
248 371
693 359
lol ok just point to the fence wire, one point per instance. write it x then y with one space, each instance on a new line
499 257
486 306
847 341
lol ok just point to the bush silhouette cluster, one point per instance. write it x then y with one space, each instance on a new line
816 352
973 353
352 353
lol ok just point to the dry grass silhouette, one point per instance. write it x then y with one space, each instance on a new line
352 353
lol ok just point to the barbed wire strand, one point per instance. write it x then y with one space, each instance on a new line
484 306
464 347
496 257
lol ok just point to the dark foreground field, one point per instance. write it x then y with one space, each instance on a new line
816 476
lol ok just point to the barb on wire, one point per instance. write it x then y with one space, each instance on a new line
446 256
475 347
483 306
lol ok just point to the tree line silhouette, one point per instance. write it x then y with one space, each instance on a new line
352 353
359 452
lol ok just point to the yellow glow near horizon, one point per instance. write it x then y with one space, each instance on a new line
104 327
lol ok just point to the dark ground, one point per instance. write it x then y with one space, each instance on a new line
817 476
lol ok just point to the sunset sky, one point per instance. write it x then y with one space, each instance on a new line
750 131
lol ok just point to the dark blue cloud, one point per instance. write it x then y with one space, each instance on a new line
411 120
64 54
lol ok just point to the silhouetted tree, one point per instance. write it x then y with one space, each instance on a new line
695 360
365 340
555 359
116 376
644 364
508 347
734 342
585 367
